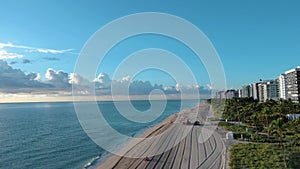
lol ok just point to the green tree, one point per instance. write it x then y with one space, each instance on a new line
276 127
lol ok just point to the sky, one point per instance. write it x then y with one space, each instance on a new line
40 41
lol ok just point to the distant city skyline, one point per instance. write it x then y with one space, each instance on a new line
285 86
255 40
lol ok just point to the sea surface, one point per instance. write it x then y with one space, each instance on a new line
49 135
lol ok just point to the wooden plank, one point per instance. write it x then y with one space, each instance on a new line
141 163
213 143
161 147
188 153
185 161
179 154
217 153
217 163
137 150
194 159
172 155
208 147
201 147
165 156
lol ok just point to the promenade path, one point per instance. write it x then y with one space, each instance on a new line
178 145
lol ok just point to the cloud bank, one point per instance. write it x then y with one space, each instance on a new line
60 83
14 80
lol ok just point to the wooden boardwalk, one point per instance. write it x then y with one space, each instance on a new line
176 147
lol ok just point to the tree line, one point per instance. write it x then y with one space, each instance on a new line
266 122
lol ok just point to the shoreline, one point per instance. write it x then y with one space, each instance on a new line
24 99
98 100
96 162
179 118
143 134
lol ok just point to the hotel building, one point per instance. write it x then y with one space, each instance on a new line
292 78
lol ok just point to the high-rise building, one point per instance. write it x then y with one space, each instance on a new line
262 92
255 93
250 90
282 87
273 90
293 84
231 94
268 90
240 93
221 95
246 91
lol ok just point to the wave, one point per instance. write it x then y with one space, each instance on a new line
92 162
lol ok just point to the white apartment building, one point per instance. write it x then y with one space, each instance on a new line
282 87
292 78
254 88
268 90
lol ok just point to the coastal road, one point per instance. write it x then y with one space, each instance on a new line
179 145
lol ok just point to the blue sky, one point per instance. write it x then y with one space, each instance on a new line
254 39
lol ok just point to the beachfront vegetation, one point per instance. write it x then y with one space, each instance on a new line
263 155
275 140
217 107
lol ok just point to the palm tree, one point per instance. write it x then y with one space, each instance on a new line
266 111
276 127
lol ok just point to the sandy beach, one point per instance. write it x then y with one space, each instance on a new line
176 143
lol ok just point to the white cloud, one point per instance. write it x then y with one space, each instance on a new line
59 78
2 45
76 79
210 86
59 83
35 49
62 80
14 79
102 81
38 77
8 55
178 87
169 88
126 79
188 88
53 51
126 85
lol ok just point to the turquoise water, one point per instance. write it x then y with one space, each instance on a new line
48 135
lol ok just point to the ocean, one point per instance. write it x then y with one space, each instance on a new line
48 135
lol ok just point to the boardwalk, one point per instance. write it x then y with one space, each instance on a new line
177 147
